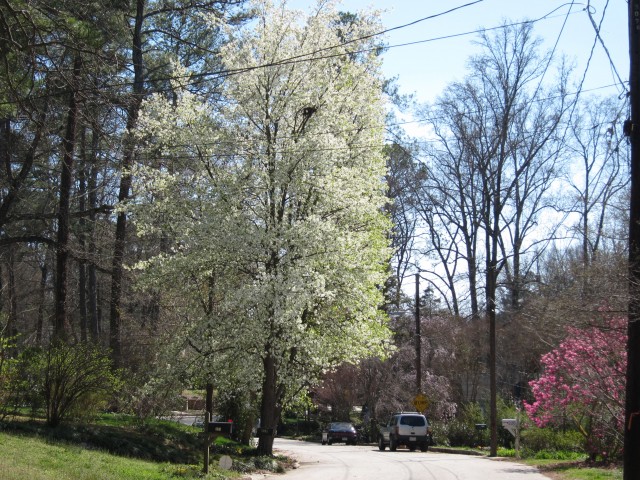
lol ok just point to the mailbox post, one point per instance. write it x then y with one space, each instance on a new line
207 419
213 430
513 426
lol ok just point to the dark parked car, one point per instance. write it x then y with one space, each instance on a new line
340 432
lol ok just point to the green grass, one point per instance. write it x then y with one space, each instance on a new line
41 459
576 471
561 465
573 469
116 447
156 440
544 455
591 474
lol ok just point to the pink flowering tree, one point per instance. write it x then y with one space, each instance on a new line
583 382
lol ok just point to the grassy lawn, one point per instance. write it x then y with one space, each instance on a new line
589 474
42 459
566 465
571 470
117 447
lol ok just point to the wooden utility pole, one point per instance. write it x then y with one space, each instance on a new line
631 462
418 339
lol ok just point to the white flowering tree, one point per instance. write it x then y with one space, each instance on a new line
273 202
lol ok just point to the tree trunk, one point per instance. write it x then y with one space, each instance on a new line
473 285
491 316
516 280
115 318
61 327
92 282
249 422
208 404
12 320
82 239
15 182
44 273
492 234
270 407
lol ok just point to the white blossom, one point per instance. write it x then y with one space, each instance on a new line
274 199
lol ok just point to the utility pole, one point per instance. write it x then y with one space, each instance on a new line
418 339
631 459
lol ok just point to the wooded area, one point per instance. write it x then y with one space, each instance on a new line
201 193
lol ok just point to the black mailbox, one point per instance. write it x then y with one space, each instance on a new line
220 428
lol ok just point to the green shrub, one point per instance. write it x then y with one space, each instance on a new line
536 440
506 452
462 431
22 387
455 433
7 376
76 380
241 407
296 427
558 455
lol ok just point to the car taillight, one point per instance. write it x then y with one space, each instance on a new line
396 429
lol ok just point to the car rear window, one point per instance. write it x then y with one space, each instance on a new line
412 420
342 427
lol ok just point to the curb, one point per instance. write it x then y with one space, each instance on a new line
456 451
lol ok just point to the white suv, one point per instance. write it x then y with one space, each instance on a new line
410 429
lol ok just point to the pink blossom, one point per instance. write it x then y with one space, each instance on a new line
583 379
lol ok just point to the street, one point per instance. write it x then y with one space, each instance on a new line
366 462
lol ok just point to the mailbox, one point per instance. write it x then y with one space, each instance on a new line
511 424
212 431
220 428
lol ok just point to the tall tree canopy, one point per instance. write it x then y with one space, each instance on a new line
275 202
494 164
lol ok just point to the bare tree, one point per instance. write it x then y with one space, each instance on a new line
401 179
599 180
448 199
498 158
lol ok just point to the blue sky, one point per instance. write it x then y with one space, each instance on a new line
425 68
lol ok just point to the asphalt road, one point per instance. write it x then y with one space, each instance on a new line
366 462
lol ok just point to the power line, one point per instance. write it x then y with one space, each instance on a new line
342 131
599 37
547 16
383 32
386 126
302 58
198 78
574 104
553 51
